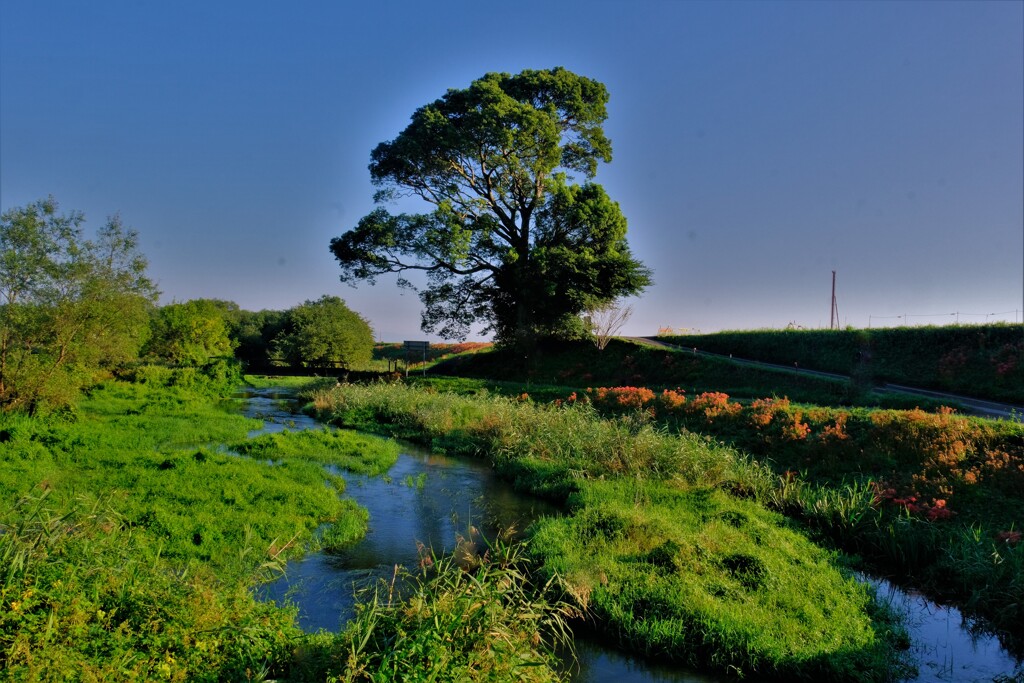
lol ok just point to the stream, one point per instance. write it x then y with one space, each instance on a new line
432 500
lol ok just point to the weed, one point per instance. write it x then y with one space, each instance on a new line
444 621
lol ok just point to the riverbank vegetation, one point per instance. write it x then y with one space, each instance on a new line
933 498
130 542
475 615
657 545
670 545
930 499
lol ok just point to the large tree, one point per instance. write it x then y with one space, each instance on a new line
512 241
324 334
71 308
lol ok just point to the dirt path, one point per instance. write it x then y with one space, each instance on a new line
974 406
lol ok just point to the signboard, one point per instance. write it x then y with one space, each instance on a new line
420 347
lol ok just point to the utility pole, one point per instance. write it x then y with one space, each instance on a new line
835 308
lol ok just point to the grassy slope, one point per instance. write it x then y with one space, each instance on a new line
984 361
622 363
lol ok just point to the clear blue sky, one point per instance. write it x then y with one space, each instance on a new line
757 146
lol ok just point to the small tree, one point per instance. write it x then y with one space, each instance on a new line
191 333
324 334
71 308
605 320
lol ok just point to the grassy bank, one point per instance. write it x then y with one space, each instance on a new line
933 498
725 584
699 576
130 543
986 361
580 365
151 450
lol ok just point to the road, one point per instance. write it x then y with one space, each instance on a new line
974 406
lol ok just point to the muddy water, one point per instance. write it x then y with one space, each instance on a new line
429 500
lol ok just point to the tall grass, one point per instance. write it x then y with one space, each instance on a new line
571 453
475 615
86 597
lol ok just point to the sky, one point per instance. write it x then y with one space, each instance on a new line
757 146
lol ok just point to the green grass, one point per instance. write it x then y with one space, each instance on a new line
932 498
606 466
580 365
129 544
351 451
698 576
131 541
281 382
472 616
87 597
151 453
986 361
831 483
832 478
468 386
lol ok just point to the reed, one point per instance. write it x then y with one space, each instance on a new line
477 614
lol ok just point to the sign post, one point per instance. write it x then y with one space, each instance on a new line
414 346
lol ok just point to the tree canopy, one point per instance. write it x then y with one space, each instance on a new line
71 308
512 241
192 333
255 334
324 334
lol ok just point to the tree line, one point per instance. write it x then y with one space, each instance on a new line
77 308
518 240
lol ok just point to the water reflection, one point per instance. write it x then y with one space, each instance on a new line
602 665
425 500
943 645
